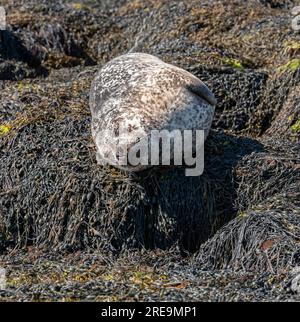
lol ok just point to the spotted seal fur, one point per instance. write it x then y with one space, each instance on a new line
143 93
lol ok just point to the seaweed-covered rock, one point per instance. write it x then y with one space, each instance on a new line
263 174
34 275
279 108
47 155
264 238
16 62
239 95
287 122
265 234
79 204
241 217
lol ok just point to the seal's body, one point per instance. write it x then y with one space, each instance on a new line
139 92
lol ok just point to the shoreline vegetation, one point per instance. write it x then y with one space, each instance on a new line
71 230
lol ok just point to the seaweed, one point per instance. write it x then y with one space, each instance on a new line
73 230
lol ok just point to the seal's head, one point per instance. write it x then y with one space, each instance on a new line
135 94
